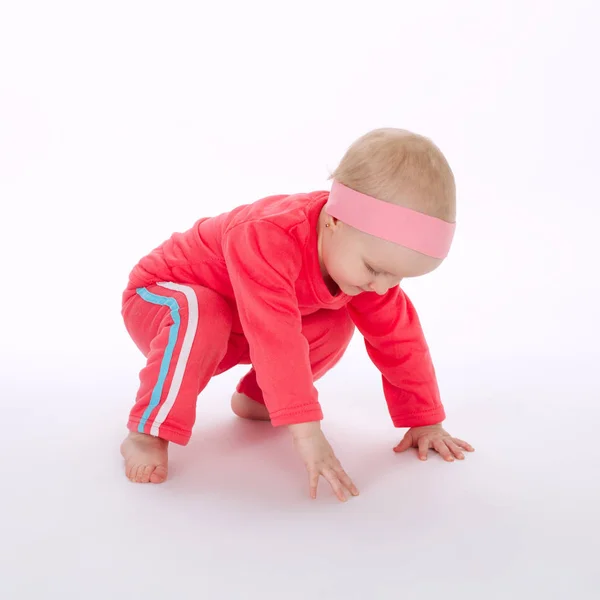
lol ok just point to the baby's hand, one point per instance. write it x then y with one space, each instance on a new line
434 437
319 459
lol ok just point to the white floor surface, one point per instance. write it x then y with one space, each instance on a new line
516 519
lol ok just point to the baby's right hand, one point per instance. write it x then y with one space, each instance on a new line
319 459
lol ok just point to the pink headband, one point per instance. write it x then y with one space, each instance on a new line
403 226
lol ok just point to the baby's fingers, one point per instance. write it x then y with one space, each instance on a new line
444 451
313 482
405 443
464 445
455 450
331 476
346 481
423 447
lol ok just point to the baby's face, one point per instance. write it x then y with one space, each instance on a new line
358 262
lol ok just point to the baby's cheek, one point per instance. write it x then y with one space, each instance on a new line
352 277
342 271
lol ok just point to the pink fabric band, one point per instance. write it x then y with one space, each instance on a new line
403 226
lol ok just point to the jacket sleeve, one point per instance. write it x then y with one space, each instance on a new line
264 261
396 344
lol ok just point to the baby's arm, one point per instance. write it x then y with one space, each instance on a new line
396 344
263 267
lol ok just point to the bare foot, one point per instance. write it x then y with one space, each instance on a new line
146 458
246 408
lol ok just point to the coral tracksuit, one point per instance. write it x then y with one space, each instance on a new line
245 287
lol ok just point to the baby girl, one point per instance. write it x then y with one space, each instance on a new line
280 285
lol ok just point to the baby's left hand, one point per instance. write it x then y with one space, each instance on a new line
435 437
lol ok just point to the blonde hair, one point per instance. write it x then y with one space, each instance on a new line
401 167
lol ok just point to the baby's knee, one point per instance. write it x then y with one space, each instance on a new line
214 312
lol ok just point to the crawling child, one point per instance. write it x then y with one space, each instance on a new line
280 285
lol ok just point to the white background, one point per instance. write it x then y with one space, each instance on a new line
121 122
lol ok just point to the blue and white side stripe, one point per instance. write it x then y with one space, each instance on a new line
189 334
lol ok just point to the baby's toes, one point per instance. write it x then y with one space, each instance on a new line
135 472
138 473
159 474
144 473
130 470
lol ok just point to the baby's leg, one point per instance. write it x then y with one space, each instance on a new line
246 408
183 332
328 333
